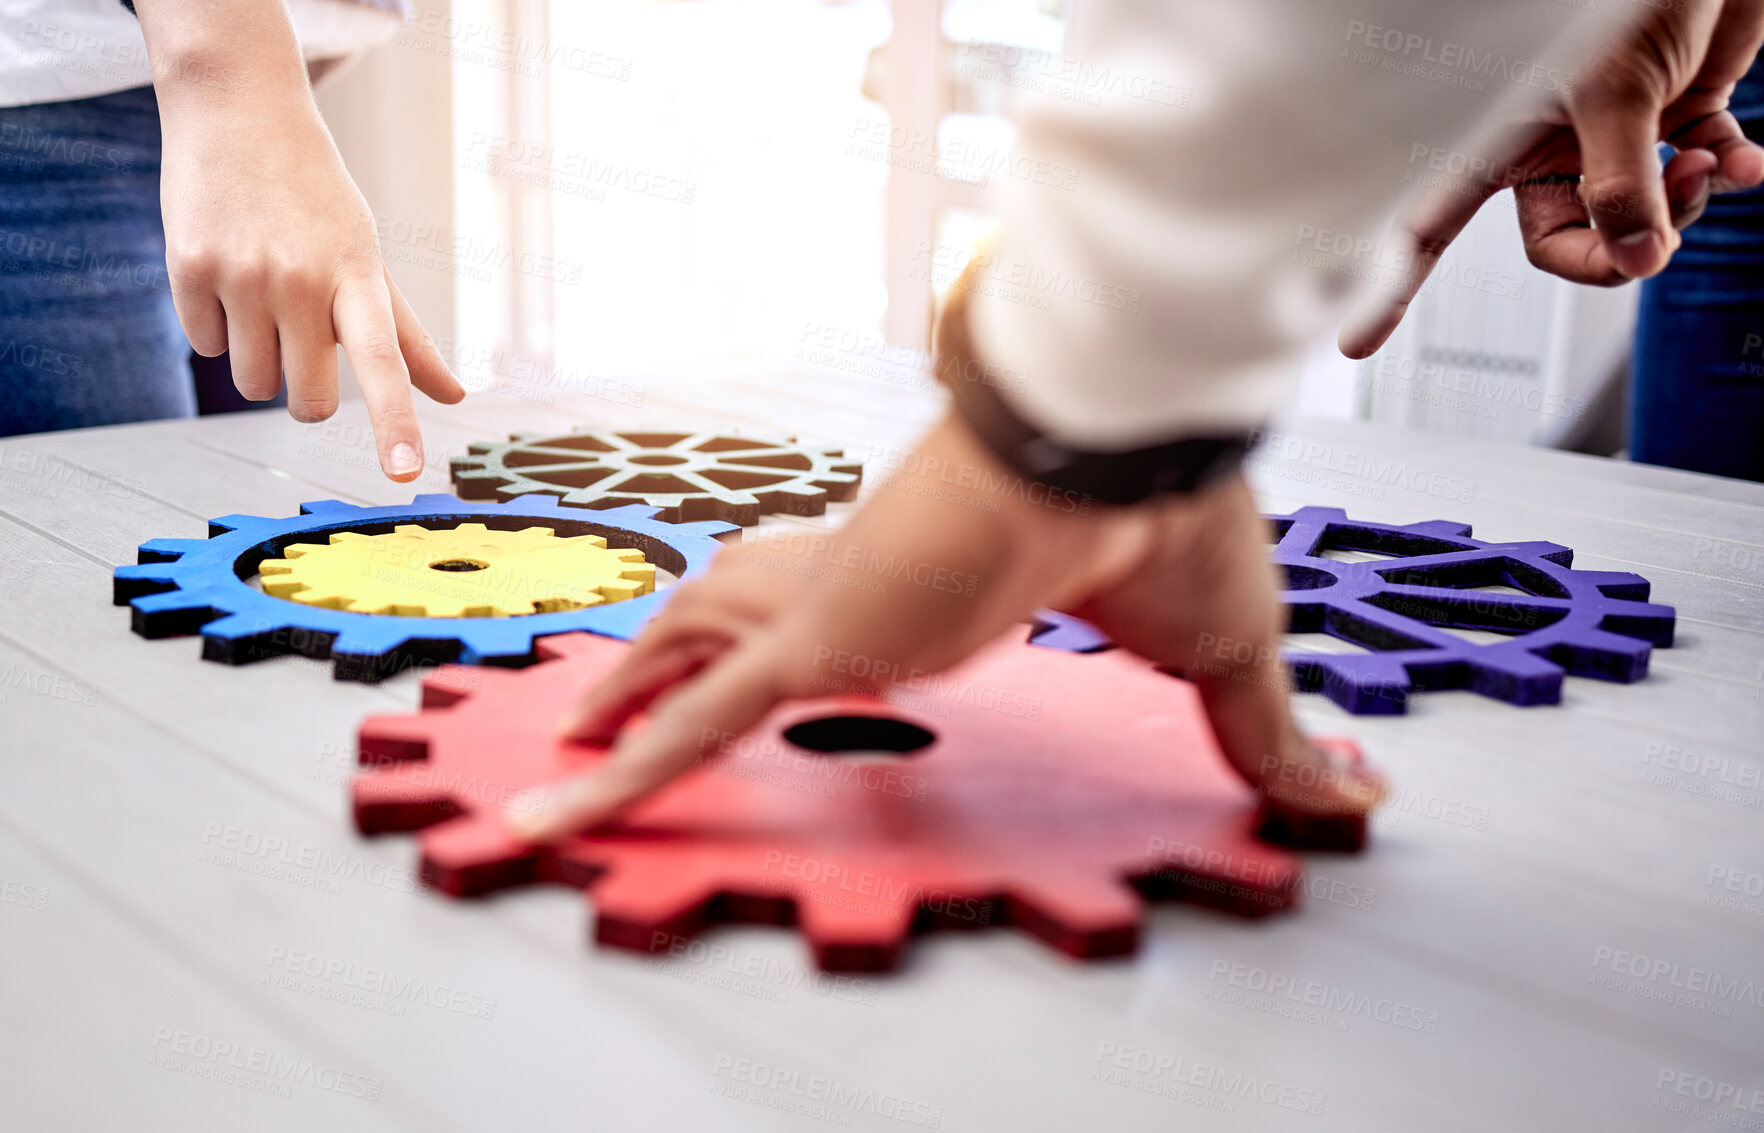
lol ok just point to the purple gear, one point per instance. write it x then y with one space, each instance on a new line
1592 623
1067 633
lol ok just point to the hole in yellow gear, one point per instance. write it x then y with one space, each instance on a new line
459 565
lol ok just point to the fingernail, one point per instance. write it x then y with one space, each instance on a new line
1638 254
540 814
572 720
533 814
1368 788
525 813
403 459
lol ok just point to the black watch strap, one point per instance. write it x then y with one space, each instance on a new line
1124 477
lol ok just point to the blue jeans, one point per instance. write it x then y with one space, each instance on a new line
1699 343
88 334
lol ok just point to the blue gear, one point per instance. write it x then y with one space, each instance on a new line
183 586
1591 623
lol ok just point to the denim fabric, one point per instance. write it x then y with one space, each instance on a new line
1699 342
88 333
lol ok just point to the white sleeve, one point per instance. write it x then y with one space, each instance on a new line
1230 172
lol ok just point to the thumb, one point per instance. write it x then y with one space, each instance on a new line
1617 120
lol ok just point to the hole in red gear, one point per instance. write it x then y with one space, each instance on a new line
859 735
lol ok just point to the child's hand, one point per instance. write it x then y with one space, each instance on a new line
1153 577
272 252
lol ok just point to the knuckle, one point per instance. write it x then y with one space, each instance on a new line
250 274
254 388
357 262
301 279
208 336
378 350
390 420
191 257
308 410
1639 78
1618 194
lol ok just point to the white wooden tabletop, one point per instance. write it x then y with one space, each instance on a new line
1560 924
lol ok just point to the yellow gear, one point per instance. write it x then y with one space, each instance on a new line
468 571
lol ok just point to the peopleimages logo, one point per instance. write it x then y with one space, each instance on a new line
1018 279
271 855
816 1095
1371 467
1412 53
373 982
842 886
1115 1061
1723 1102
253 1067
1326 997
1670 974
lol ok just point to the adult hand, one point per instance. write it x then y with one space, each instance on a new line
1155 578
1594 204
271 250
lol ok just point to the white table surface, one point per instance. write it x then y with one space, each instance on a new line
1527 852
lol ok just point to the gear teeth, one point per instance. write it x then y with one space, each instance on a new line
477 485
1586 623
1620 584
131 582
167 550
1652 623
394 739
871 936
320 507
455 683
232 625
635 903
1515 675
1317 514
628 511
497 641
364 642
1366 684
1536 549
172 600
172 613
197 585
469 856
227 524
389 804
1604 656
686 475
707 851
1081 920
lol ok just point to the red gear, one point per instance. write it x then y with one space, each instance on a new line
1057 784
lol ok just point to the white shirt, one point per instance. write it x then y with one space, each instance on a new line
1231 172
55 50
